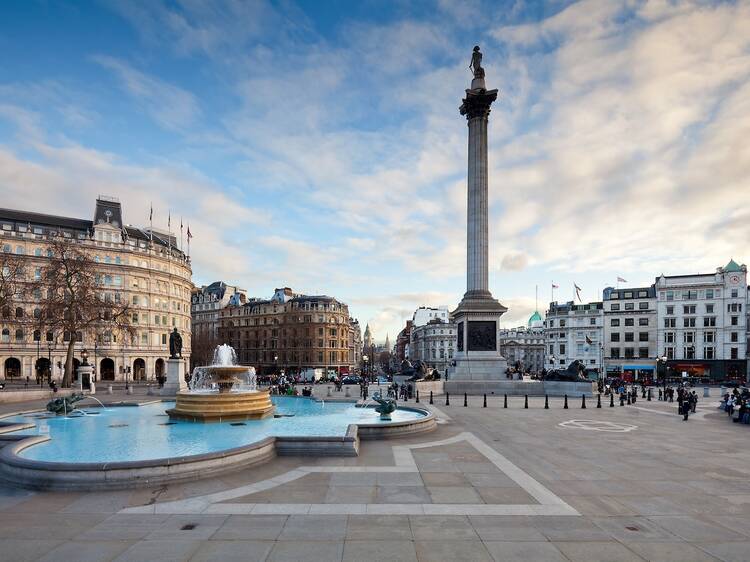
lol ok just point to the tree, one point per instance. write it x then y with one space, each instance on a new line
202 347
78 300
12 283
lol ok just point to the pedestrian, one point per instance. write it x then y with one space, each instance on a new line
685 408
693 401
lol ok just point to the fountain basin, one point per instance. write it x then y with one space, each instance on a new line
223 405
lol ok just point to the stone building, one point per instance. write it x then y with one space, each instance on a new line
433 343
630 329
523 347
574 332
206 302
402 342
290 332
702 329
142 266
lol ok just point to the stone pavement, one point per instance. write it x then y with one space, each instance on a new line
623 483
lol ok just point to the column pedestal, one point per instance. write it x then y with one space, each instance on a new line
175 378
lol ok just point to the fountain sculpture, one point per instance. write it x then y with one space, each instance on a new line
222 391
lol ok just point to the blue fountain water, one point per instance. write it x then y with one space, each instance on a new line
142 433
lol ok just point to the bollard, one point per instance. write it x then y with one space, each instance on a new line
565 405
505 400
129 390
526 401
660 395
611 400
417 400
648 395
622 400
109 389
706 392
583 401
149 390
546 402
465 402
347 393
328 391
629 402
599 400
431 402
447 399
484 404
643 392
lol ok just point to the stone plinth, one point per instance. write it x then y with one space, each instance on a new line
175 377
222 406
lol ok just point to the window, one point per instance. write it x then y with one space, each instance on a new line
688 337
734 292
670 310
629 306
734 337
642 306
643 321
735 320
615 306
562 349
629 353
670 295
562 323
734 307
551 323
628 295
709 321
688 309
669 337
630 322
614 322
669 352
615 353
709 308
709 353
629 336
670 322
689 295
593 321
643 353
642 336
615 336
689 352
709 337
688 322
734 353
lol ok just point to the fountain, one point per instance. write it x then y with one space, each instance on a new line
222 391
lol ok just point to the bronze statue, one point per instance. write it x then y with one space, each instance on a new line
385 407
476 63
64 404
175 345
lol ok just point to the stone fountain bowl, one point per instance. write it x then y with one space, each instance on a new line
226 376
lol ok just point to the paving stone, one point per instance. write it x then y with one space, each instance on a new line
304 551
159 551
203 526
378 527
569 529
693 529
490 480
85 551
452 551
353 479
21 550
398 479
454 494
444 479
505 528
516 496
441 527
597 552
637 529
124 527
670 552
229 551
727 551
350 494
402 494
314 528
502 551
379 550
251 527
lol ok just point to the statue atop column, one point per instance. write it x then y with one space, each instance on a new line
476 63
175 345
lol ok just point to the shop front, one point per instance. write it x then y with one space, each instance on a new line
709 371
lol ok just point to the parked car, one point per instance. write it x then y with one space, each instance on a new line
351 379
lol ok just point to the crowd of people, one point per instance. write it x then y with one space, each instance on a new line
737 405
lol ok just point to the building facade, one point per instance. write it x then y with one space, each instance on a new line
433 343
524 347
424 314
630 333
140 266
702 323
290 332
205 304
574 332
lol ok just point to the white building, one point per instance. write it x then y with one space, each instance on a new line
426 313
433 343
523 347
630 333
207 301
574 332
703 324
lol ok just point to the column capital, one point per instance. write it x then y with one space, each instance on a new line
477 103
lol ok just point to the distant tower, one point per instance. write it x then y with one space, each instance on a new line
387 343
368 338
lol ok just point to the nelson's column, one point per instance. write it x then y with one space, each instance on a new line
478 361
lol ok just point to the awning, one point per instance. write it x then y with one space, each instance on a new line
637 367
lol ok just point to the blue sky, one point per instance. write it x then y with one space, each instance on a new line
318 145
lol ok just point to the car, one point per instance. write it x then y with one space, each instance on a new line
351 379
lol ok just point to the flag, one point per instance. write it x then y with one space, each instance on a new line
188 233
578 292
621 280
555 286
151 214
589 340
169 220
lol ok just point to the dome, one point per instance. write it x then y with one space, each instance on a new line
535 320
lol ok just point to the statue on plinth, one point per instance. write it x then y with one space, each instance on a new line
175 345
476 63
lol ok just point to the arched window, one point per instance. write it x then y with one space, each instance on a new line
37 313
20 250
38 252
6 335
37 335
50 336
6 312
19 312
19 335
50 253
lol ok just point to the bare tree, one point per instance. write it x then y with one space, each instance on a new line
12 283
76 299
202 347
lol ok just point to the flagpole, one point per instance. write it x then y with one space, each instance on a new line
182 242
151 224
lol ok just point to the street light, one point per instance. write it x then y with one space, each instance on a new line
49 363
85 356
662 361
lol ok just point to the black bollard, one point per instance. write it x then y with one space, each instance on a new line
465 402
417 397
643 392
648 396
583 401
565 405
505 400
484 403
599 400
447 399
526 401
660 395
622 400
611 400
546 402
629 402
431 402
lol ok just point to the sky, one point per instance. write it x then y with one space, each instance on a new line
318 145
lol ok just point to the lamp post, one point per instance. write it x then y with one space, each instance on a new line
49 363
96 344
662 362
365 359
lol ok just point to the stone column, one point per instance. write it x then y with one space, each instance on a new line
476 108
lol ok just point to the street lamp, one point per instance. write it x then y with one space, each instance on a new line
662 361
85 356
49 363
365 359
